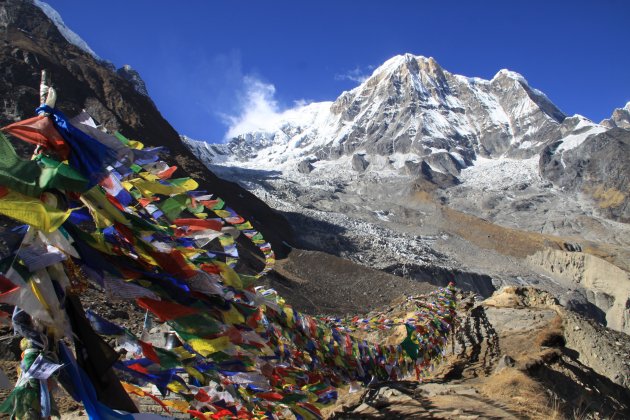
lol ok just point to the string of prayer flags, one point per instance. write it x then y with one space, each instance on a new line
113 218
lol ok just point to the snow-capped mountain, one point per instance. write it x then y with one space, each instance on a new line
414 118
418 171
412 111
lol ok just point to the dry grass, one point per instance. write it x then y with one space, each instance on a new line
521 393
553 335
516 242
610 197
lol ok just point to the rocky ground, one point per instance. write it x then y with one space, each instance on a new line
504 225
515 355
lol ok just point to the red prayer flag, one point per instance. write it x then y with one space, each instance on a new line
164 309
200 223
167 173
149 352
174 263
271 396
41 131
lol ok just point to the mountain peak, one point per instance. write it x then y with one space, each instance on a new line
619 118
509 74
131 75
413 108
408 61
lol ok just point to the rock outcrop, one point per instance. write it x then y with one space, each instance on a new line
619 118
595 163
604 285
131 75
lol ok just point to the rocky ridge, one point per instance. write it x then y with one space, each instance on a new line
620 118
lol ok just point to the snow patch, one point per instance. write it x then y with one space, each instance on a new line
382 215
574 140
67 33
512 75
500 174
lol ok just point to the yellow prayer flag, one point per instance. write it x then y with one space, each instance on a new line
149 188
32 211
148 176
179 405
230 277
103 212
135 144
189 184
194 373
233 316
206 347
289 313
182 353
222 213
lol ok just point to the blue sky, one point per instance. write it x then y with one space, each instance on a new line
211 64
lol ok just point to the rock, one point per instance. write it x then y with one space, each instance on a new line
390 392
305 167
132 76
365 409
504 362
424 171
620 118
597 167
572 247
576 300
359 163
10 347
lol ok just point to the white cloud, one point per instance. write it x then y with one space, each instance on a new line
257 109
357 74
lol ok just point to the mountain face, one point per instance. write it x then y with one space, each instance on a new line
436 177
411 106
414 117
593 160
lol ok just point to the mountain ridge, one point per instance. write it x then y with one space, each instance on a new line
414 117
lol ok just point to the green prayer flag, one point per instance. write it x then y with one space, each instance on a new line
32 177
410 344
